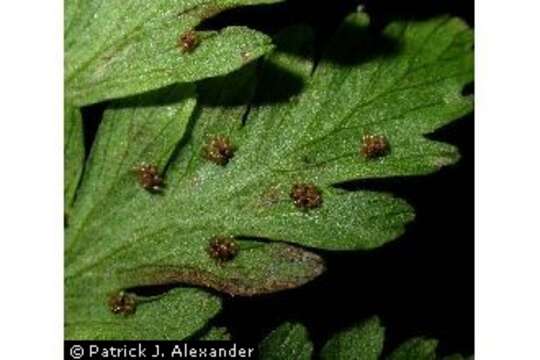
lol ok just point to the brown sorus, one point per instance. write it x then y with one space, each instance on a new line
149 177
306 196
374 146
188 41
122 303
222 248
219 150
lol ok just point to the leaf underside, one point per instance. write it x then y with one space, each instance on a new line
290 123
74 153
364 342
360 342
117 48
289 341
216 334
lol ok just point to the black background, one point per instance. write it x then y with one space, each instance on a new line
419 285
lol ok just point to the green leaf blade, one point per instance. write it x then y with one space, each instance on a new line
117 219
258 268
127 138
173 316
416 349
362 342
373 220
289 123
74 153
289 341
120 48
216 334
410 87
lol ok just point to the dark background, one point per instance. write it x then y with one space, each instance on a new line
419 285
423 283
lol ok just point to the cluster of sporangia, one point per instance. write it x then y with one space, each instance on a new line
122 303
222 248
374 146
220 150
188 41
149 177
